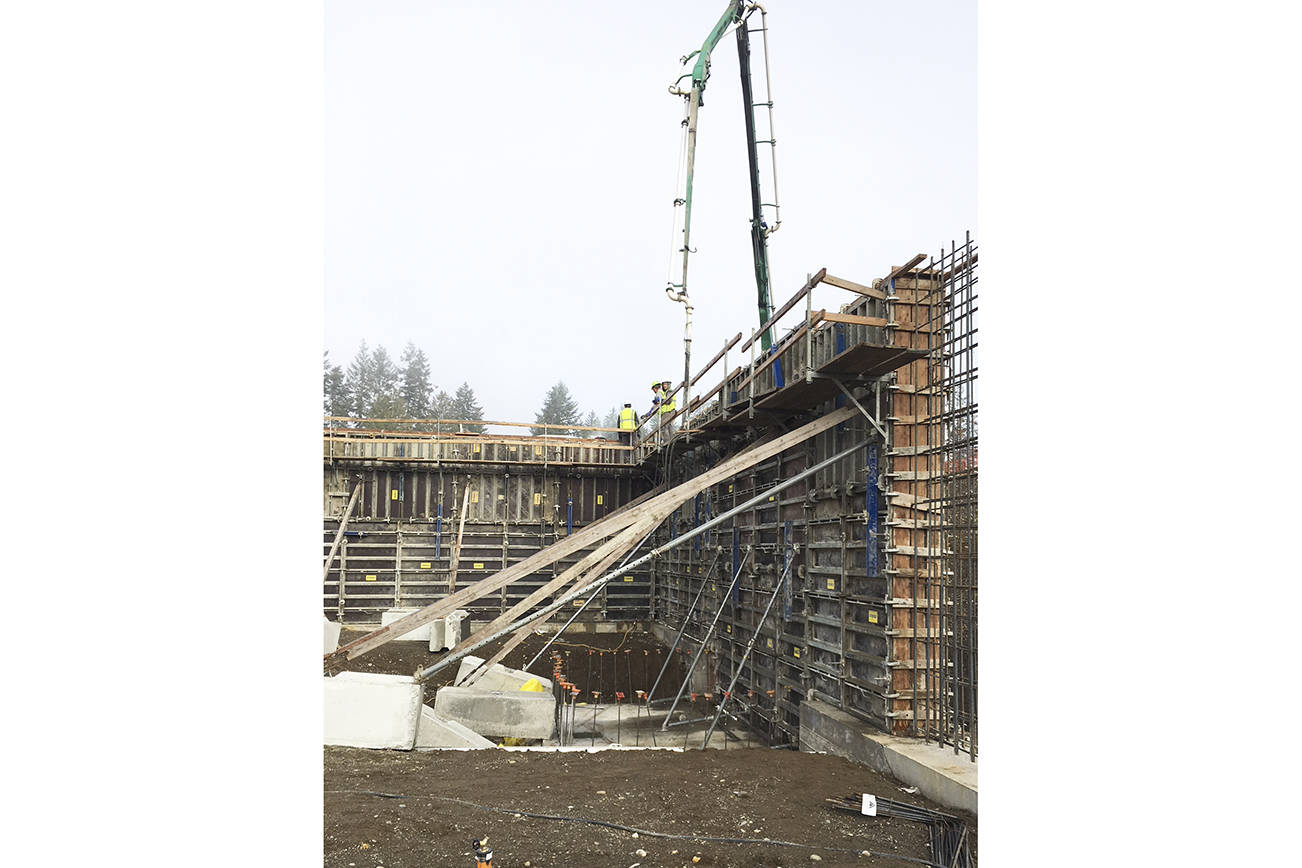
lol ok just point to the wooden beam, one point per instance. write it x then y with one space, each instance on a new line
717 356
848 319
595 531
591 567
908 266
853 287
456 549
343 523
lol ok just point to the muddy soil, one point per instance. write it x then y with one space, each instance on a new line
445 799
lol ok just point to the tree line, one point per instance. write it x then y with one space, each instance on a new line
373 386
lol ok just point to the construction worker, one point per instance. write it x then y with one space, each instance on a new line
667 402
627 424
667 406
657 395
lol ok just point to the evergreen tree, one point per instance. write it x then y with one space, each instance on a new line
416 390
386 402
559 408
464 406
335 398
611 421
359 384
441 406
591 421
388 405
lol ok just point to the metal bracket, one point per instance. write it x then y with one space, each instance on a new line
856 403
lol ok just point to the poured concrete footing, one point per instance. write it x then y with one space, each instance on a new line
368 709
936 772
509 714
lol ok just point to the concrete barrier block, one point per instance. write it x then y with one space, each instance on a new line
437 731
369 709
447 631
331 636
497 677
514 713
420 634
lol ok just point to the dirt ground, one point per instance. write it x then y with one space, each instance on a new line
423 808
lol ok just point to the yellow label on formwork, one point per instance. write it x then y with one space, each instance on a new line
424 565
598 500
872 616
537 450
628 578
795 652
370 578
578 603
474 497
831 584
476 448
770 641
537 498
478 565
393 494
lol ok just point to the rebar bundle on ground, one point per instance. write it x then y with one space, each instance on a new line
948 832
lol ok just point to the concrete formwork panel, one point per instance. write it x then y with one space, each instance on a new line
368 709
514 714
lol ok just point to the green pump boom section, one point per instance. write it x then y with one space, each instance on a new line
735 13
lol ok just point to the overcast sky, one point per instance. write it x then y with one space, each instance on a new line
499 179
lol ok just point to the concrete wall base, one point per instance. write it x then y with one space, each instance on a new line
436 732
368 709
936 772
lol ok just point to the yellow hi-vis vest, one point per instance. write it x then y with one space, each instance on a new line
667 405
627 419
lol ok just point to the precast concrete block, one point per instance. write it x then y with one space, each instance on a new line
370 709
420 634
438 731
331 636
497 677
446 632
513 713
